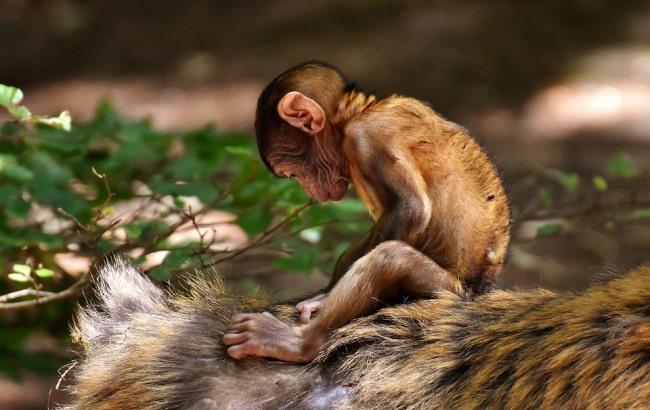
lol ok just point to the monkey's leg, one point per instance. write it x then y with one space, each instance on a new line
309 306
391 270
355 252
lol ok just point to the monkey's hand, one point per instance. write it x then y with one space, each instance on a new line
264 335
309 306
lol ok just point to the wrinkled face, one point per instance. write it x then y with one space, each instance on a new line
316 162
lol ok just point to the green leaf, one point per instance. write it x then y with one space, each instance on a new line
549 229
10 96
569 180
160 273
600 183
12 202
18 277
133 231
6 160
256 220
240 151
304 259
21 113
10 168
41 363
339 249
641 213
24 269
44 273
204 191
251 288
49 168
351 206
63 121
621 165
545 196
17 173
9 369
179 203
176 259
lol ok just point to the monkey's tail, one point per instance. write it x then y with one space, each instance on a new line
148 348
121 292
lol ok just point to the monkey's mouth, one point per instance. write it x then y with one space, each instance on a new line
338 189
333 191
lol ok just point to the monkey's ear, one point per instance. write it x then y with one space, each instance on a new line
302 112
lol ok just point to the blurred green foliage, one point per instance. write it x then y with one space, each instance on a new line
79 175
10 99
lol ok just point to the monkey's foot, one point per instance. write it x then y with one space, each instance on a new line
309 306
263 335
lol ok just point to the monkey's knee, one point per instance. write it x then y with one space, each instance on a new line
392 246
387 257
392 250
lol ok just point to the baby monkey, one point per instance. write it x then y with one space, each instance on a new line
442 220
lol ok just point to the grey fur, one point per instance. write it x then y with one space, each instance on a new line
149 349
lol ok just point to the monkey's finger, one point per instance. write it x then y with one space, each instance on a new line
241 350
234 338
240 317
237 327
305 315
236 352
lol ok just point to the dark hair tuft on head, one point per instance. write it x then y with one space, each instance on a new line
316 79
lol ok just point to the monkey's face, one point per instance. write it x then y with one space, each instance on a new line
315 162
320 190
322 184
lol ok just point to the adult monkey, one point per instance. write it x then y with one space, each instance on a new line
441 212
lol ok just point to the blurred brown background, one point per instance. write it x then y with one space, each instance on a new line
562 84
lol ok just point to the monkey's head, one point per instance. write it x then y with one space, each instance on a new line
295 134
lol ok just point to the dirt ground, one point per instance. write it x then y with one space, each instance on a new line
565 84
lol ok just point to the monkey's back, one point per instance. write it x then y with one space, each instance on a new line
505 350
469 228
145 349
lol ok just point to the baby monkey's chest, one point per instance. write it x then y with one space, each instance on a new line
366 193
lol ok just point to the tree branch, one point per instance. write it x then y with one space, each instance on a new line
69 292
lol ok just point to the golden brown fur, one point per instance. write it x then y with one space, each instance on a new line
442 220
425 180
456 210
146 349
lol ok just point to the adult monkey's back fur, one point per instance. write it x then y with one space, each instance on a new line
147 349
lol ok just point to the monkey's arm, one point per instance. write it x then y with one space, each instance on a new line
385 168
389 272
355 251
395 180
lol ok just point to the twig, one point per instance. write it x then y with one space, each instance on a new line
24 292
109 193
185 217
73 218
265 237
69 292
572 211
